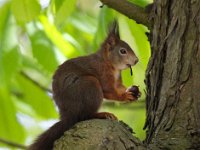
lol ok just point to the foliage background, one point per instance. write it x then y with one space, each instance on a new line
35 37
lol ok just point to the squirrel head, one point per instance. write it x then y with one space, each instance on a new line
118 52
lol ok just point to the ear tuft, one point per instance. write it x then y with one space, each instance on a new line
114 29
113 36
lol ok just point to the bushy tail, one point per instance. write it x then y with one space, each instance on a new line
46 140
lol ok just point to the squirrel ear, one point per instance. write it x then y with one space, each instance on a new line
114 29
111 41
113 35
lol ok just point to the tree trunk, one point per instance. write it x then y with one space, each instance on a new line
173 76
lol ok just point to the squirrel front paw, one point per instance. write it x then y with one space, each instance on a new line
135 91
128 96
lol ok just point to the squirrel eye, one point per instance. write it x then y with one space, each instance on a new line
123 51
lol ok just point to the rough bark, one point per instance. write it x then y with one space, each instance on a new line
98 135
173 76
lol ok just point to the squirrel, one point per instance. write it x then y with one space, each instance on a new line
80 84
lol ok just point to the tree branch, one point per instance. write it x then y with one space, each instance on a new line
35 82
130 10
99 134
12 144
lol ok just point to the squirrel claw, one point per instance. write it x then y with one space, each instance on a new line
128 97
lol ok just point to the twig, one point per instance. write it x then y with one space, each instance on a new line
130 10
35 82
12 144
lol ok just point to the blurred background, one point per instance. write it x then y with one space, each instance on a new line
38 35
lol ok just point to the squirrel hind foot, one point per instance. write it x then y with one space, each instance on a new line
105 115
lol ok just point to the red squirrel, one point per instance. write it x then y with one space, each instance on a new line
80 84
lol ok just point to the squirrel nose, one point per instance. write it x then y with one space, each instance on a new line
136 60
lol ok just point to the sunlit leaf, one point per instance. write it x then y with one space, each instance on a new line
22 107
8 34
9 53
43 51
10 129
127 78
64 11
55 5
35 97
25 10
30 63
36 71
56 37
4 14
11 63
58 4
83 22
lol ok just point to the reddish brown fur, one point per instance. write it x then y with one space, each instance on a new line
80 84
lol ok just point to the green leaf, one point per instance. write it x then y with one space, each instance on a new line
10 63
36 71
41 103
43 51
65 47
30 63
64 11
58 4
10 128
4 15
127 78
25 10
8 36
9 54
83 22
